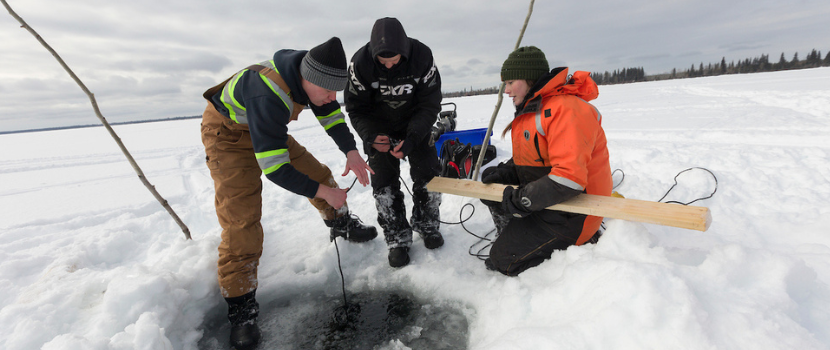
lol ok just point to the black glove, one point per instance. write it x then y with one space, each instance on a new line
491 203
489 176
504 173
500 174
514 204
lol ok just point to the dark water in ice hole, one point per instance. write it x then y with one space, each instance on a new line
381 320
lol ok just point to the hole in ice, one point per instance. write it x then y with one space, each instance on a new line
373 320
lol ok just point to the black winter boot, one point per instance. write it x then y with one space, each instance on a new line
433 240
489 264
425 215
351 228
399 257
242 313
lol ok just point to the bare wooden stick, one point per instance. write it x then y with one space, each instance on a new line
486 141
103 120
675 215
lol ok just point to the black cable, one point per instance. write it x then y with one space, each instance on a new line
478 254
352 185
675 184
461 221
621 180
355 178
342 279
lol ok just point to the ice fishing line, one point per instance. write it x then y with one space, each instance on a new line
340 267
341 315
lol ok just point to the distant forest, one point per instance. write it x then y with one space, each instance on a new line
632 75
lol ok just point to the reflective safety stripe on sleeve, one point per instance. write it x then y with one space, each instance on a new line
334 118
566 182
270 161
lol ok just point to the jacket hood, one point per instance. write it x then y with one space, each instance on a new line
558 82
288 62
388 36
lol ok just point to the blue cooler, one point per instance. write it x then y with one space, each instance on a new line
472 136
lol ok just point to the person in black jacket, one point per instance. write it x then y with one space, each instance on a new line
393 99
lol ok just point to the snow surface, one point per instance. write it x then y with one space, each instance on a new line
90 260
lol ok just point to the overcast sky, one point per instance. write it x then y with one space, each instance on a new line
152 59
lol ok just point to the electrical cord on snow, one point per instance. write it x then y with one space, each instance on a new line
461 221
479 255
675 184
614 187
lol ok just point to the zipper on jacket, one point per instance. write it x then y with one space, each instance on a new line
538 152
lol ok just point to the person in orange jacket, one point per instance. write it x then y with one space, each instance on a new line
559 151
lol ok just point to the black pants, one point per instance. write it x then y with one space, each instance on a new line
386 188
526 242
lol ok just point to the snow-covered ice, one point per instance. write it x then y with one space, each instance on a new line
90 260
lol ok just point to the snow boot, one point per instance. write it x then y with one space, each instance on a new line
351 228
242 313
433 240
399 257
489 264
426 216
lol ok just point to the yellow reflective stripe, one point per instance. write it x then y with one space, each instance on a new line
233 105
270 161
341 121
267 154
272 169
274 90
332 119
271 64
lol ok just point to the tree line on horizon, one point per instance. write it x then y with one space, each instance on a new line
638 74
748 65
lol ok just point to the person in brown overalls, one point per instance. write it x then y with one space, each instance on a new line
244 130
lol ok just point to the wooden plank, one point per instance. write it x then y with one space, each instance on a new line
667 214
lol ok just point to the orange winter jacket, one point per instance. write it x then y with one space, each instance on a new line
556 133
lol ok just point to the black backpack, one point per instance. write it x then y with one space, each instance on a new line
458 159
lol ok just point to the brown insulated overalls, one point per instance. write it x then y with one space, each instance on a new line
237 181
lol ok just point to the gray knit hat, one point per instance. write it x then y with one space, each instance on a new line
526 63
325 65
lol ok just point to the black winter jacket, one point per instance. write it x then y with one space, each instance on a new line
402 102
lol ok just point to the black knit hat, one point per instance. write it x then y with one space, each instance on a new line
325 65
526 63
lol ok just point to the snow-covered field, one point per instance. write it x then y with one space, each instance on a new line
90 260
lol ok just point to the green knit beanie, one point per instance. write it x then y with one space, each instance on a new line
526 63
